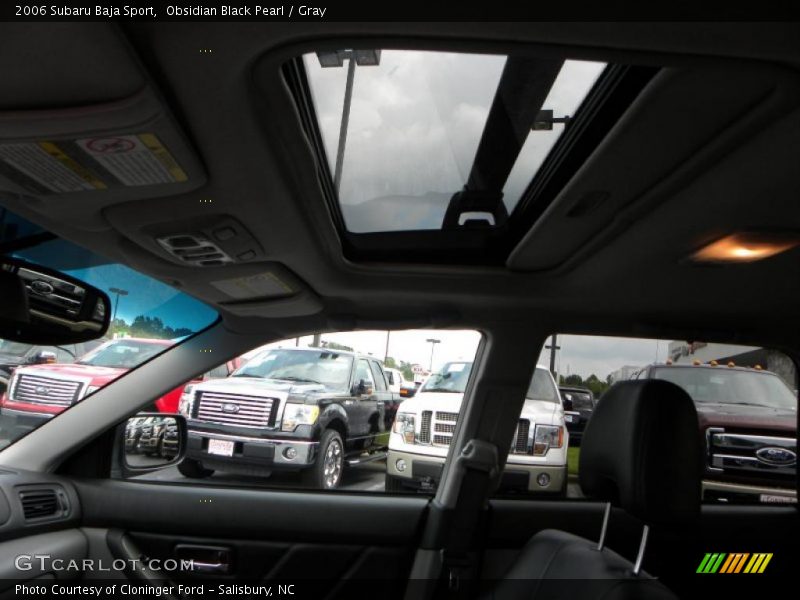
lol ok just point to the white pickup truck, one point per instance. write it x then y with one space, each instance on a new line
424 427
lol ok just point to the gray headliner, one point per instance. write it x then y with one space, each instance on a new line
261 170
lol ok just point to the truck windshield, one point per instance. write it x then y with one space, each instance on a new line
727 386
330 369
542 387
452 377
14 348
122 354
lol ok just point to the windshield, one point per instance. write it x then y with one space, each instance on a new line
542 387
15 348
452 377
330 369
122 354
723 386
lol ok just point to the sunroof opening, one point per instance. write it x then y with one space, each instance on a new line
420 141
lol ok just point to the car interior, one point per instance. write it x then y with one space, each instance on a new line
666 207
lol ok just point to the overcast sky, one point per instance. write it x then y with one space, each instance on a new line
583 355
415 123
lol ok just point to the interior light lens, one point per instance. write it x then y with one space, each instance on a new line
745 247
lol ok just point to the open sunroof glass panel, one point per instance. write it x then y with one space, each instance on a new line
406 131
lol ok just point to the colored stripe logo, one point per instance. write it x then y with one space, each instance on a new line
737 562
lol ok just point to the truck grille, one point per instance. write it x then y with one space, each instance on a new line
520 444
45 390
424 436
237 410
752 455
444 425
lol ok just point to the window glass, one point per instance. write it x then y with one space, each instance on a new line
377 374
364 374
220 371
148 317
330 369
747 392
427 111
276 420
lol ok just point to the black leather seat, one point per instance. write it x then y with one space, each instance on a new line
641 451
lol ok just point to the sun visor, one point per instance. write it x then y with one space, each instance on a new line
89 123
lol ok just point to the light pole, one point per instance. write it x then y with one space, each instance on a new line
119 292
432 342
362 58
386 353
553 347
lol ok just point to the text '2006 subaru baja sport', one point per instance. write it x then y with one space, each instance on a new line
425 424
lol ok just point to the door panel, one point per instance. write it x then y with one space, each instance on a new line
317 541
65 546
252 514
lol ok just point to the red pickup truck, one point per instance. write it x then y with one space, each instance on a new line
38 392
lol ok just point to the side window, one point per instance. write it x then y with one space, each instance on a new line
363 373
219 372
293 398
65 354
377 373
389 377
746 401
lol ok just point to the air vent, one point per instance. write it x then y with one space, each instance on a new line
43 503
195 250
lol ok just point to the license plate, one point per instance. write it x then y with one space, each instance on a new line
220 447
771 499
568 418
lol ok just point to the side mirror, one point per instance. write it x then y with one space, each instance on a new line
362 388
151 441
43 358
43 306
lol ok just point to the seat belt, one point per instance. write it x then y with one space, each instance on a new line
478 466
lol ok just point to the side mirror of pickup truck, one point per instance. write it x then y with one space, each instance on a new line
362 388
43 358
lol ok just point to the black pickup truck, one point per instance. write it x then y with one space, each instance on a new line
748 422
290 409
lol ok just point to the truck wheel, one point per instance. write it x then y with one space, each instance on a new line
326 473
392 484
192 468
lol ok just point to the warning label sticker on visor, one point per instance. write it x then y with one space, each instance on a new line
89 164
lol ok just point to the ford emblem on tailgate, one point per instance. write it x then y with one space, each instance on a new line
230 408
776 456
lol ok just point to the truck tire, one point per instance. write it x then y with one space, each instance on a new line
194 469
393 485
326 472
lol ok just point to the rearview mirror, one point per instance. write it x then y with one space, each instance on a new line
39 305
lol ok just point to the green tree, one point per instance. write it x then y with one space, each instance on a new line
119 328
406 370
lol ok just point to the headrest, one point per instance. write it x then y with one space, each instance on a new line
642 451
